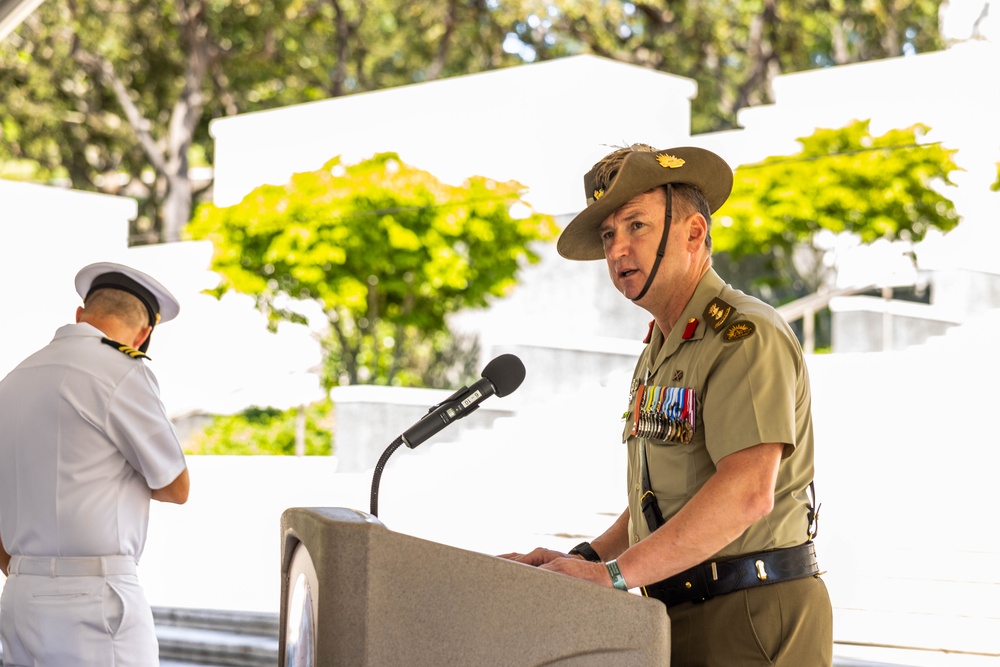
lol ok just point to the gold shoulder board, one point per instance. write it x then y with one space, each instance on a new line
125 349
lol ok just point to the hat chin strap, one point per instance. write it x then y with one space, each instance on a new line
667 218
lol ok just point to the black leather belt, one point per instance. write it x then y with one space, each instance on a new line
713 578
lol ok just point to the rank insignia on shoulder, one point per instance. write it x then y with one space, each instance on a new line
717 312
739 330
125 349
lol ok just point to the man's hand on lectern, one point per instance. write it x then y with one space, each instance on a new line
579 568
537 556
556 561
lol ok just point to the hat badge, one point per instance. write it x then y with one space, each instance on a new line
669 161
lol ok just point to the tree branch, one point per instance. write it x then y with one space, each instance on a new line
444 44
100 68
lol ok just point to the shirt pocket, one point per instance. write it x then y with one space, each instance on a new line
672 470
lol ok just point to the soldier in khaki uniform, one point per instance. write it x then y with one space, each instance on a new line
720 519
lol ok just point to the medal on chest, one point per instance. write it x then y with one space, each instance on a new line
663 413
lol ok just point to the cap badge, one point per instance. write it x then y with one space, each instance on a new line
669 161
598 194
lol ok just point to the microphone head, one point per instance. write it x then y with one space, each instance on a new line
505 373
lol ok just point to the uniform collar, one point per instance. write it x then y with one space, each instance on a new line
709 287
78 329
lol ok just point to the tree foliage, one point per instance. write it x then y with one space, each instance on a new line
733 50
266 431
116 95
385 249
843 180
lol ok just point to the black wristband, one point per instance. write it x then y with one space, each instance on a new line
584 549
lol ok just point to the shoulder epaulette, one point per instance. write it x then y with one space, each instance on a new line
717 313
125 349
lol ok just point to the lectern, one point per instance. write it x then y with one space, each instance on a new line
356 594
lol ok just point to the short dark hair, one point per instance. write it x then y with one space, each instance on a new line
689 199
107 301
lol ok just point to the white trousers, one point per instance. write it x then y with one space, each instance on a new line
76 621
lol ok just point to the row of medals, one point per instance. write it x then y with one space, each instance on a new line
655 425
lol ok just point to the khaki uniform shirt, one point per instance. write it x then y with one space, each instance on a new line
731 375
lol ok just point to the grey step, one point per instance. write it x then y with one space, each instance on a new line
238 622
202 637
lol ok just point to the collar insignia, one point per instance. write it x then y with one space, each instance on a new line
649 334
125 349
689 330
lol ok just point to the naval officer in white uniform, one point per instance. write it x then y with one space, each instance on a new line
85 444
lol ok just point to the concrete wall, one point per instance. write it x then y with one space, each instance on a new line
541 125
871 324
47 234
368 419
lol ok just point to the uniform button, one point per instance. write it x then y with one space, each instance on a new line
635 539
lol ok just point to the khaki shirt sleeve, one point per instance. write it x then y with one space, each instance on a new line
751 398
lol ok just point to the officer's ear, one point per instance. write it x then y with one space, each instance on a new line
79 314
697 229
141 337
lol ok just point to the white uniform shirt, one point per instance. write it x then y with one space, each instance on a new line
83 438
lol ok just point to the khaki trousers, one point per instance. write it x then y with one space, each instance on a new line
782 625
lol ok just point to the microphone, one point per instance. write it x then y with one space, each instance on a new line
501 377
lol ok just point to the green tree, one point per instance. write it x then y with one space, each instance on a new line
110 96
385 249
843 180
267 431
732 49
116 95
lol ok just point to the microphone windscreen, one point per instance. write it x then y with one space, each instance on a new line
505 373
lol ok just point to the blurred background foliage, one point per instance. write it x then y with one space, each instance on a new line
115 96
845 179
268 431
386 251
